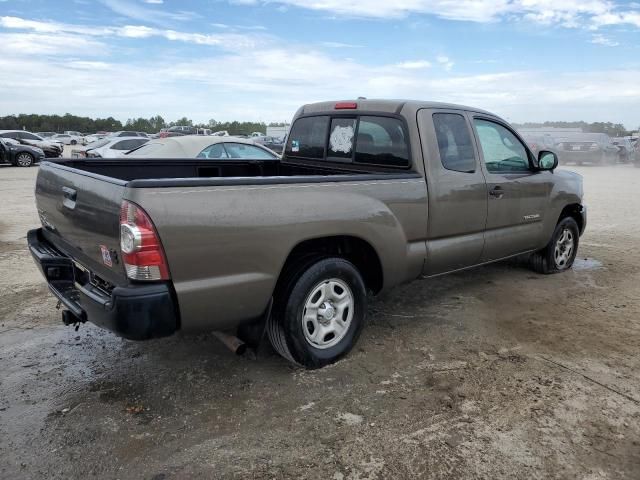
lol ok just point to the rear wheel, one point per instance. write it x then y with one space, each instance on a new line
73 142
319 314
561 250
24 159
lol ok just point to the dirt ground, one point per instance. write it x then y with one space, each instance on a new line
494 373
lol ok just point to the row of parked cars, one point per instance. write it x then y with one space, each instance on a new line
24 149
591 148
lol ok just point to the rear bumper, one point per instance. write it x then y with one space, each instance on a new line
137 312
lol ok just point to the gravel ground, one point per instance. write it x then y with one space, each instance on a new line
493 373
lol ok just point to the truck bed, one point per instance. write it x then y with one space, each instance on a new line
148 172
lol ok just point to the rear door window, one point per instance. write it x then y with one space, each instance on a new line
28 136
308 137
382 141
454 142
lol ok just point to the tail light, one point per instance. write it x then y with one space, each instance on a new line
142 251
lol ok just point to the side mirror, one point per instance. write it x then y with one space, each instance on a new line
547 160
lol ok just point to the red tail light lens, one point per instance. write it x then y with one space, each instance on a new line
142 251
346 106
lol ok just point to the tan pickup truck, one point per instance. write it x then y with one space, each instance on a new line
367 195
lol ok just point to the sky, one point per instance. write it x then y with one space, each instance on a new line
259 60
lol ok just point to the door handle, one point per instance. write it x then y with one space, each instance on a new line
70 196
497 192
69 193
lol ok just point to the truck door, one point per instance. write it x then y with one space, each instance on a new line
517 194
457 191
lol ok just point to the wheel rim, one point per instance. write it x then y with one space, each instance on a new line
563 250
24 159
327 313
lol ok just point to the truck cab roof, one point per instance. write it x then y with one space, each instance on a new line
382 106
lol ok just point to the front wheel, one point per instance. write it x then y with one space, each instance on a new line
561 250
320 313
24 159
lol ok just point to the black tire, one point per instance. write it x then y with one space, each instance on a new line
285 327
73 142
24 159
546 260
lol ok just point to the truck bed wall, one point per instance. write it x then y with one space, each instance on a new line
142 169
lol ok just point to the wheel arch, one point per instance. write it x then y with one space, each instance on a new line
573 210
354 249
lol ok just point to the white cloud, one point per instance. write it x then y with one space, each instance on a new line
339 45
148 14
225 40
568 13
270 83
600 39
414 64
446 63
154 2
37 44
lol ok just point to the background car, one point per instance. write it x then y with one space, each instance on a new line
594 148
625 149
197 146
127 133
51 149
18 154
67 139
538 142
45 134
94 137
272 143
110 147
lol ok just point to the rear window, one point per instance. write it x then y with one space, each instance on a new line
128 144
382 141
145 150
373 140
308 138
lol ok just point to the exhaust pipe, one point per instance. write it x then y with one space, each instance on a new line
232 342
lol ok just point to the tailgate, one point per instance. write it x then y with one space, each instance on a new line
80 214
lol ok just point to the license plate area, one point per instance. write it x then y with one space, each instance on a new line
82 277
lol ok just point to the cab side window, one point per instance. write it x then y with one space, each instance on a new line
502 150
454 142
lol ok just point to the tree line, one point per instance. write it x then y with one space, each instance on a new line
61 123
611 129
